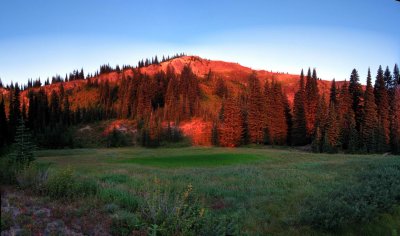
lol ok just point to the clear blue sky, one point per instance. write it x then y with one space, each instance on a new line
43 38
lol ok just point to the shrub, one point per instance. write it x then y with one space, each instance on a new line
117 139
123 223
64 184
33 177
120 197
376 191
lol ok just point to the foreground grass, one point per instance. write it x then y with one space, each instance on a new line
264 188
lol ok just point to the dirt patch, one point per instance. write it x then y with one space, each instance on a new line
25 214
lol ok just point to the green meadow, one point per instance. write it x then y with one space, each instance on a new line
255 191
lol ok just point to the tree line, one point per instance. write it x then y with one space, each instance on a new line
350 118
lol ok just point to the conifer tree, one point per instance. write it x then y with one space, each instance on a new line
347 122
356 92
331 137
3 124
299 131
395 122
14 110
370 119
320 125
382 103
277 128
333 93
311 102
256 111
231 129
396 75
22 154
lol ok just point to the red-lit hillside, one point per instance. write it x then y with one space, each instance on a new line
207 72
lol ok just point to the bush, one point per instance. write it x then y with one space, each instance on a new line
120 197
34 177
117 139
64 184
123 223
377 190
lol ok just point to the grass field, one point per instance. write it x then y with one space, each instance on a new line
262 188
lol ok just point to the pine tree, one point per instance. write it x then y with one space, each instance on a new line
231 129
3 124
277 126
22 154
396 75
15 111
356 92
347 122
331 138
311 101
333 93
299 131
395 122
256 111
370 118
320 125
382 103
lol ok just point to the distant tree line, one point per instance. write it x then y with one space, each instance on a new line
350 118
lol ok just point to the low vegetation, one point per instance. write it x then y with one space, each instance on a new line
217 191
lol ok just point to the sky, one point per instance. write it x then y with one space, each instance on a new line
43 38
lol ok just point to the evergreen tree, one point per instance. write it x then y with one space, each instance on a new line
320 125
333 93
3 124
22 154
331 137
277 124
15 111
311 101
356 92
370 118
395 122
347 122
256 110
299 131
231 129
382 103
396 75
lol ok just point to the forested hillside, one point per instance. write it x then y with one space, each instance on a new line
211 103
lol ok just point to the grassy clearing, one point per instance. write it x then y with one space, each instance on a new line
264 189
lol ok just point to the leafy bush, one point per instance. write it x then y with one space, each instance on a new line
183 215
376 190
123 223
117 139
120 197
64 184
34 177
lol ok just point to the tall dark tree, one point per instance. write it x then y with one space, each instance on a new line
347 122
382 103
22 154
231 129
299 132
333 93
395 122
396 74
256 110
369 119
356 92
14 110
311 101
3 123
